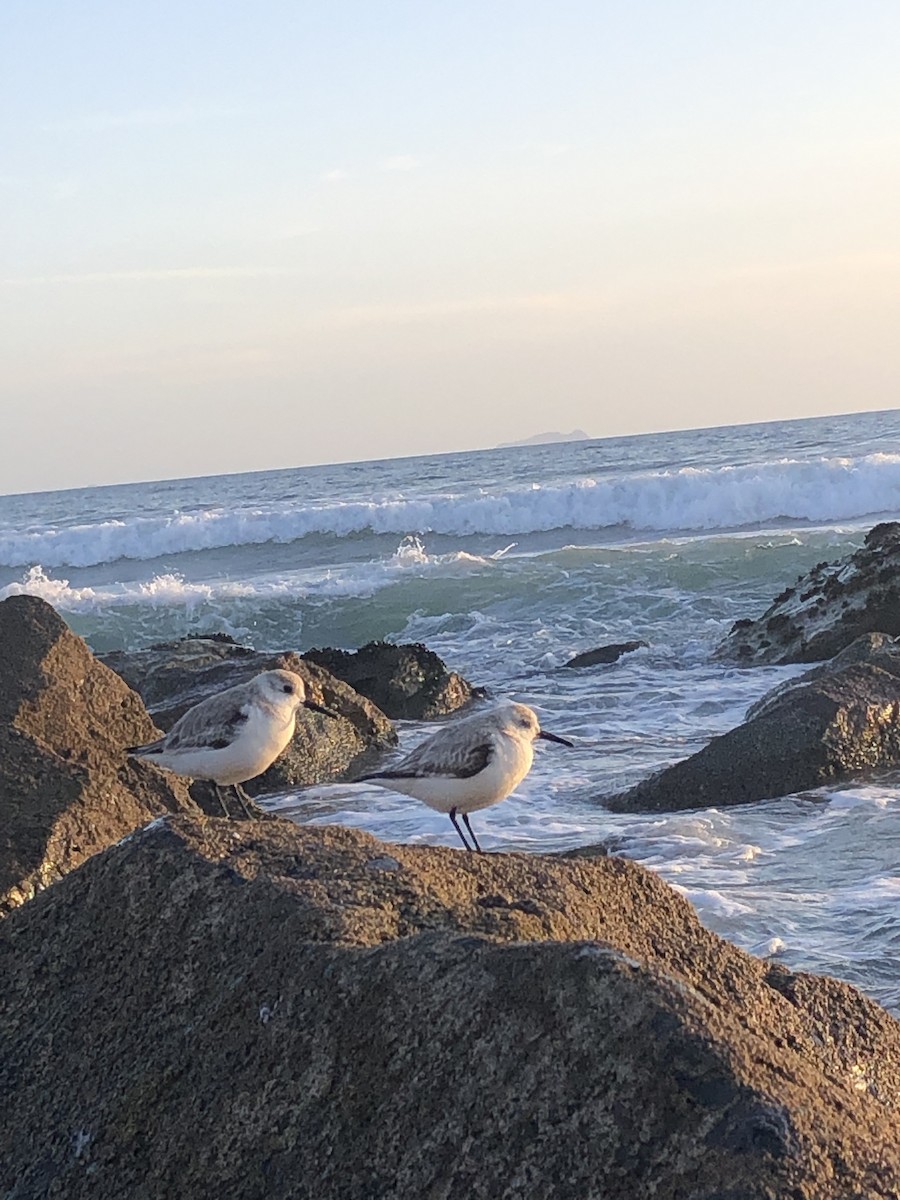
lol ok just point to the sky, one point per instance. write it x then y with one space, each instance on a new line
244 236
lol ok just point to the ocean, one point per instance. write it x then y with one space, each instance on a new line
507 562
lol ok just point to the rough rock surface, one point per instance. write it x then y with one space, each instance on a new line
408 682
827 608
837 725
173 676
215 1009
877 649
67 789
604 654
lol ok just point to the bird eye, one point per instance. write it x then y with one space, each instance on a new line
288 688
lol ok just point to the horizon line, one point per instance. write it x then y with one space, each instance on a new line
500 447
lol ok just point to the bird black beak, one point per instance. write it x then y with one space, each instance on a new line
552 737
326 712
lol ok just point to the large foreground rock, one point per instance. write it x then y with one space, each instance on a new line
826 609
408 682
173 676
67 789
257 1011
837 722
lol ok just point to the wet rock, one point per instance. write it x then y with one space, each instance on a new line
826 609
611 845
173 676
218 1009
408 682
604 654
67 788
877 649
836 726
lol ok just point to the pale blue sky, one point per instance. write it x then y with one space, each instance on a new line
243 236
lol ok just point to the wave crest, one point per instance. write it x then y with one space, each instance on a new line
690 499
173 591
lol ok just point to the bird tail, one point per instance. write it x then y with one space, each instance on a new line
376 775
150 748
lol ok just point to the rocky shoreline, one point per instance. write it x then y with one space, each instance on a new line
827 608
199 1007
837 722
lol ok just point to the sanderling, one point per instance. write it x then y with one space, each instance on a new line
235 735
471 764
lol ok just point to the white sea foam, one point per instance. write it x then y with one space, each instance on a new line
871 892
710 900
171 590
862 797
162 591
769 947
689 499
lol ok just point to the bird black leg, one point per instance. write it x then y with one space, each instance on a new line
220 796
457 828
244 800
465 818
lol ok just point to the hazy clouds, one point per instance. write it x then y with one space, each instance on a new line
235 241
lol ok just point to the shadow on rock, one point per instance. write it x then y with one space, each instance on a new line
67 789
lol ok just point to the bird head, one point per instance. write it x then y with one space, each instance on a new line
523 722
286 688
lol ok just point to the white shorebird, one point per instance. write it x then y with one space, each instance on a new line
471 764
235 735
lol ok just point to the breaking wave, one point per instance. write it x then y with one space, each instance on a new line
172 591
689 499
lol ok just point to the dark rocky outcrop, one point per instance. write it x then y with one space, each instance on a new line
408 682
826 609
876 649
173 676
67 789
604 654
259 1011
830 727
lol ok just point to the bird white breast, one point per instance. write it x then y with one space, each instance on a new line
256 745
510 762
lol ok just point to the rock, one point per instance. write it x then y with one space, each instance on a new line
826 730
604 654
220 1009
409 682
826 609
875 648
67 788
173 676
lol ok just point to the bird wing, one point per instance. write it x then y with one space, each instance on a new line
209 725
449 759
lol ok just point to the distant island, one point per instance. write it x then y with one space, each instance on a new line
539 439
